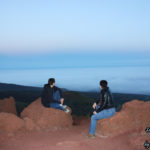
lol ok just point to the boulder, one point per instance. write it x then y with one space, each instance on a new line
134 117
46 118
29 124
8 105
10 123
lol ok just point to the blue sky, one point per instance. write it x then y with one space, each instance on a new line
38 26
73 40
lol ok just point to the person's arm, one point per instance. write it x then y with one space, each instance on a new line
97 100
61 93
61 96
103 102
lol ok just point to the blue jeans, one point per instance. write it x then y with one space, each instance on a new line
106 113
56 96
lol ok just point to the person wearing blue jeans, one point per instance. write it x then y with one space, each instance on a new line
52 96
103 108
56 96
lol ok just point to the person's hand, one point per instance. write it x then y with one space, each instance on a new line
94 105
94 112
62 101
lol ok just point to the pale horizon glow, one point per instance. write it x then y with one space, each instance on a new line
84 79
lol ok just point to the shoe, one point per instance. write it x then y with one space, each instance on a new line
91 136
67 110
101 136
65 106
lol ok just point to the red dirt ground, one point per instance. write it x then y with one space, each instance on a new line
73 138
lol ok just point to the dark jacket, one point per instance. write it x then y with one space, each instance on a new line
106 100
47 95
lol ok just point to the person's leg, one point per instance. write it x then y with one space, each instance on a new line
56 96
57 106
101 115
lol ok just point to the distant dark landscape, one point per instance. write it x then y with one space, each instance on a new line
80 102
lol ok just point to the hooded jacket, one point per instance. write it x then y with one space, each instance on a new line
47 95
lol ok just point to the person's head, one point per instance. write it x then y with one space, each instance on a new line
51 81
103 83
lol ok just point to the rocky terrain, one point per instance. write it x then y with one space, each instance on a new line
40 128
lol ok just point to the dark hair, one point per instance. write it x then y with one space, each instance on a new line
103 83
51 81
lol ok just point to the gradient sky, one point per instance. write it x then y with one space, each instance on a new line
77 42
71 25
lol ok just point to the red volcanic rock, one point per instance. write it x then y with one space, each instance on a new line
10 122
29 124
46 118
8 105
134 117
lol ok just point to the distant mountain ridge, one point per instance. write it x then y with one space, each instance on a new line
14 87
24 95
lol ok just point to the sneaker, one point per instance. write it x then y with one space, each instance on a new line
65 106
67 110
91 136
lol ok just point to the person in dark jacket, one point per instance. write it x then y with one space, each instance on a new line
52 96
102 108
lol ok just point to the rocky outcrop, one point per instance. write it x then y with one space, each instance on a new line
46 117
33 117
8 105
29 125
10 122
134 117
